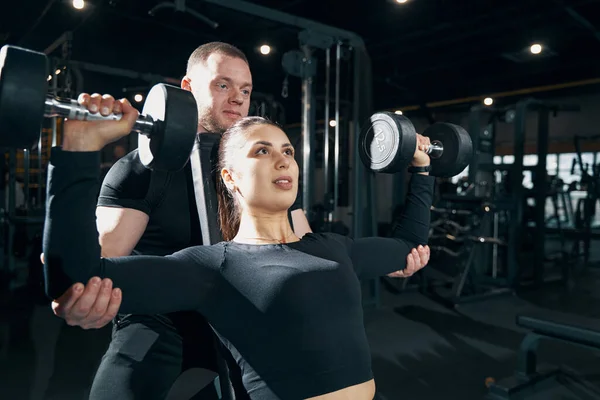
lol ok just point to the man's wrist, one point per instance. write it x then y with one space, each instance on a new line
80 143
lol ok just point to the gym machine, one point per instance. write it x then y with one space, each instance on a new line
583 216
540 180
466 235
515 195
529 378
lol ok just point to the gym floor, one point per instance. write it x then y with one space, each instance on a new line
421 350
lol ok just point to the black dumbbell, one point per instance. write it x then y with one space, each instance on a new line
388 144
167 126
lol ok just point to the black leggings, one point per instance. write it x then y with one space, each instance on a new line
148 353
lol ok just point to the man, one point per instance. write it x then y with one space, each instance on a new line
118 151
154 213
146 212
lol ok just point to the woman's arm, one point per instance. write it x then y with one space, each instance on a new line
414 222
72 251
376 256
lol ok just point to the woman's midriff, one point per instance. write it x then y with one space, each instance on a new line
362 391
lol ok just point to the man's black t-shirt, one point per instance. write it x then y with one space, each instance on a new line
166 197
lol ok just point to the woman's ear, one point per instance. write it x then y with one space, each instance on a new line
227 177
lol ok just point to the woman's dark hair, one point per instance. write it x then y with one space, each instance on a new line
229 213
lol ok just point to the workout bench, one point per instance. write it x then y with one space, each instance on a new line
203 163
528 378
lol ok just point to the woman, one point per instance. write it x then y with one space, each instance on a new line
289 310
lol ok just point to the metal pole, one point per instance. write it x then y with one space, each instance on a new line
40 180
475 132
364 182
337 145
103 69
495 247
3 214
540 188
291 20
326 183
11 208
26 169
308 124
357 221
65 37
54 92
516 190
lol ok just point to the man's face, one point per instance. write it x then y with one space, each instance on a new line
222 87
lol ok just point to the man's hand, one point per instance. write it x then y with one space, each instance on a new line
91 306
420 158
94 135
416 260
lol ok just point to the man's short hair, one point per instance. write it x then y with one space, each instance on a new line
201 54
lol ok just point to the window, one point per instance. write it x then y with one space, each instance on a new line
559 165
459 177
552 164
565 165
530 160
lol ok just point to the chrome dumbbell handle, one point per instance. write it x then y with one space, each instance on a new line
435 149
71 109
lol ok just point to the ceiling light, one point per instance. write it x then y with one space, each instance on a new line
265 49
488 101
78 4
138 98
332 123
536 48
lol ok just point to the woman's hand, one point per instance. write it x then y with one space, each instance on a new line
416 260
420 158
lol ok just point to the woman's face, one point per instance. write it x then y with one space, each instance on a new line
263 173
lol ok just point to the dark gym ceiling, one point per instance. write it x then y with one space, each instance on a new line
422 51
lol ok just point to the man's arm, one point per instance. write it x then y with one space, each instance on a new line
300 223
129 193
120 229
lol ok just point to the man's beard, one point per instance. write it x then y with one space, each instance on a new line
208 121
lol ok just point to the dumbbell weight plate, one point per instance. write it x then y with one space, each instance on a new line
458 149
388 144
23 89
175 116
